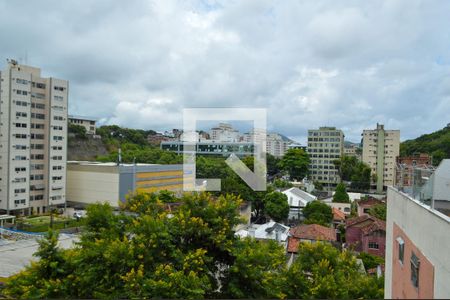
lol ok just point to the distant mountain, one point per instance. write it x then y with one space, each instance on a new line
351 144
436 144
286 139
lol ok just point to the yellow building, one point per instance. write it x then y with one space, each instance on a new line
90 182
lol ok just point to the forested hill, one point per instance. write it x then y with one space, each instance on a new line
436 144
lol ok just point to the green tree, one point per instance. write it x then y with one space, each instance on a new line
295 162
276 206
378 211
323 272
78 130
370 261
340 195
317 212
351 169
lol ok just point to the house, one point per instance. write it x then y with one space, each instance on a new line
345 208
309 233
297 201
338 217
366 234
268 231
364 205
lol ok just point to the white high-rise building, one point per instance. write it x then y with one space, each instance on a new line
325 145
33 140
380 150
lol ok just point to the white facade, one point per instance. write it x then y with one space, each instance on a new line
268 231
224 133
33 139
380 150
297 200
325 145
86 122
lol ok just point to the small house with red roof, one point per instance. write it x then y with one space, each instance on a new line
309 233
364 205
366 234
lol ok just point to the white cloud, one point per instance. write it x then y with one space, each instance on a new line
349 64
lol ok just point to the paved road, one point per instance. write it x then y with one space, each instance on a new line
16 255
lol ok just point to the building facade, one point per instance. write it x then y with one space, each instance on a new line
87 122
325 145
380 151
211 148
33 140
90 182
418 244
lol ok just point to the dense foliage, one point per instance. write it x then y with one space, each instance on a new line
340 194
145 251
276 206
378 211
78 130
295 163
370 261
355 171
317 212
437 144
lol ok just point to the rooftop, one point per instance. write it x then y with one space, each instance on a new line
313 232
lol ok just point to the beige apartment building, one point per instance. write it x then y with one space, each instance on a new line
380 150
33 140
325 145
87 122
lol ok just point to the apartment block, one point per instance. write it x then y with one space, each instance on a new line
325 145
33 140
87 122
380 150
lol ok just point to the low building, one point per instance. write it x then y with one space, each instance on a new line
418 238
210 148
364 205
87 122
346 208
90 182
268 231
366 234
297 200
310 233
338 217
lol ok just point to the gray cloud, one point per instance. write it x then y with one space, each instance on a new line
348 64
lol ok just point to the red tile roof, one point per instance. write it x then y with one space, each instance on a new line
338 215
369 202
292 245
371 226
313 232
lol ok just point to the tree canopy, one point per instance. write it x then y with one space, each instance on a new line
340 195
295 163
276 206
378 211
146 251
317 212
355 171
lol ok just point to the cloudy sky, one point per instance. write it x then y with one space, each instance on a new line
348 64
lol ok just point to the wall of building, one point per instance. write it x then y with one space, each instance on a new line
89 187
429 234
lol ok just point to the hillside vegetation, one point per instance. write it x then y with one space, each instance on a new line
436 144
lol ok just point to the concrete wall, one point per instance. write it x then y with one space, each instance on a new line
428 231
90 187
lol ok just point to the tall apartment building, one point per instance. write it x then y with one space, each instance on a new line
380 150
33 140
325 145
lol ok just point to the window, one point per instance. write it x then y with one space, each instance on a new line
58 118
56 177
37 146
57 138
59 98
38 95
20 136
37 126
57 127
373 245
38 105
59 88
401 249
37 177
20 92
20 157
37 167
21 103
38 116
21 114
57 167
21 201
36 136
21 81
415 264
57 147
19 191
20 169
20 147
